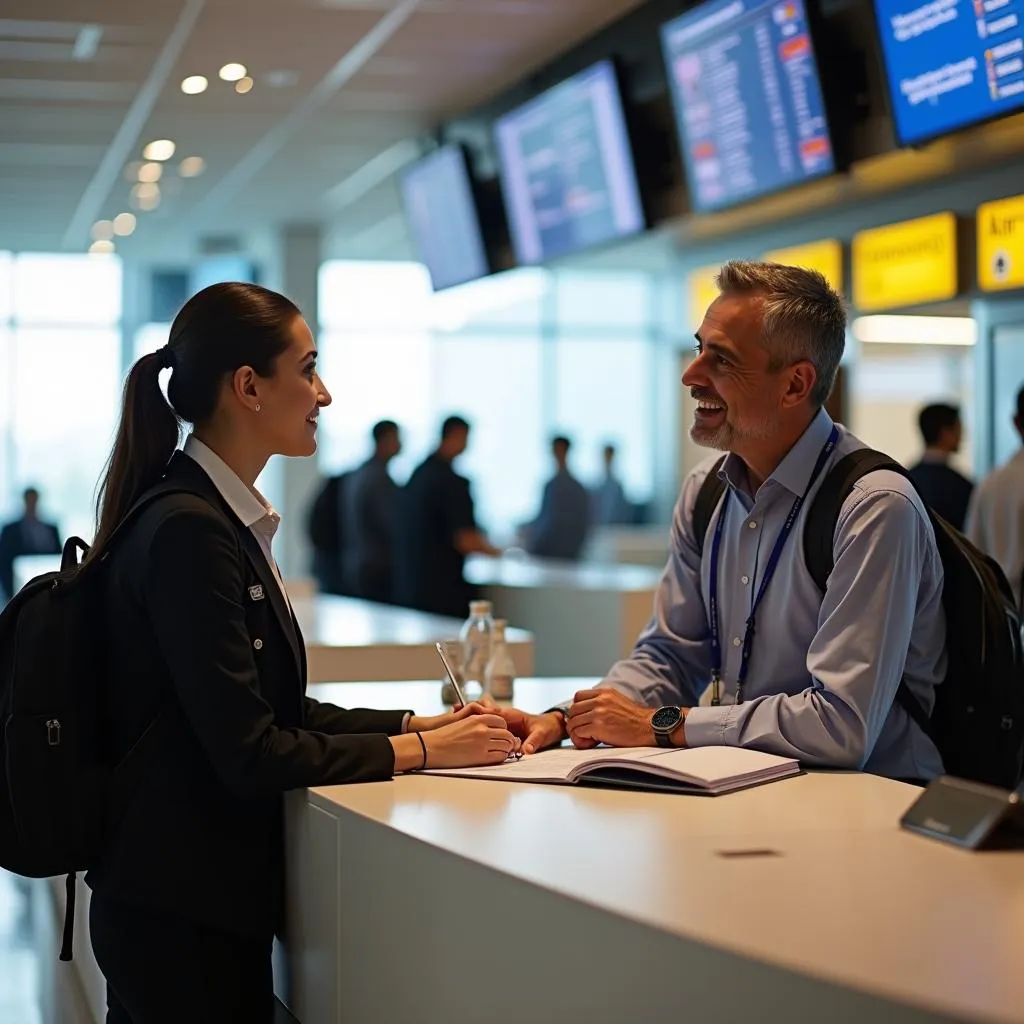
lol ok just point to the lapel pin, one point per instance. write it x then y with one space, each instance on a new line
256 593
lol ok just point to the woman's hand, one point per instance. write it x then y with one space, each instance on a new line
428 723
474 739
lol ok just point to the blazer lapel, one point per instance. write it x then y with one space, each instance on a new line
272 589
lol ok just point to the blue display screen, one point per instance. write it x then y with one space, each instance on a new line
951 63
567 172
442 216
748 100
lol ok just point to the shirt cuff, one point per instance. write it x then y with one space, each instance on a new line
708 727
405 722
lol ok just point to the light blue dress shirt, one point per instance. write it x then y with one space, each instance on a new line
823 674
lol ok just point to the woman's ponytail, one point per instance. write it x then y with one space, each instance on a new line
146 438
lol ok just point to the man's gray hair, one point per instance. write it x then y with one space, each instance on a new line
804 316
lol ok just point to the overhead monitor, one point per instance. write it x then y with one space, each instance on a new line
950 63
443 218
750 111
567 172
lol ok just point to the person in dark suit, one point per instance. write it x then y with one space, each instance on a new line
437 529
560 529
939 484
28 535
189 892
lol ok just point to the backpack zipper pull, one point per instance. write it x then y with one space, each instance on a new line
53 732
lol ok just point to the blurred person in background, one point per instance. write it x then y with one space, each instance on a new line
437 529
328 535
560 529
942 487
371 516
29 535
609 498
995 517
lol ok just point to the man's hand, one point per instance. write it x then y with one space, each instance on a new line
536 731
606 716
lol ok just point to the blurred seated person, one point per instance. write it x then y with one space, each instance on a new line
560 529
371 514
942 487
610 506
28 535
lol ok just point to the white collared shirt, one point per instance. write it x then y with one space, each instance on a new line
995 518
255 512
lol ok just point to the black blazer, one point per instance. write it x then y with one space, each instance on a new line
196 625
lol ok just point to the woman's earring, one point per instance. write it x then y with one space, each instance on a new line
258 406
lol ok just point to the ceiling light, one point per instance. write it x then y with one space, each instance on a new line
232 72
87 42
151 172
915 330
244 85
192 167
145 197
101 246
194 85
102 231
124 224
162 149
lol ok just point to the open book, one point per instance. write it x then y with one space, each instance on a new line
707 770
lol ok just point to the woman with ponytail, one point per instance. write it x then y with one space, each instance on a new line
202 641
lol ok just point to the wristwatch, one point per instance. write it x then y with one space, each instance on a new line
665 722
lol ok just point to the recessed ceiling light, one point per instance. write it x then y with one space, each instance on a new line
124 224
102 231
145 197
232 72
161 149
101 247
244 85
192 167
151 172
194 85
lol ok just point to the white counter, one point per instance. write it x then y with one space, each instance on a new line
348 639
451 900
630 545
584 617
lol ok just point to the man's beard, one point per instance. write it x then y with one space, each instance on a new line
726 437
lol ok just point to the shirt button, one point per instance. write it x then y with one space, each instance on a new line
736 641
258 644
752 524
744 580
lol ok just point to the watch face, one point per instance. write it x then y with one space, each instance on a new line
666 718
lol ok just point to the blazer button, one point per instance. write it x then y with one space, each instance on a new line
258 644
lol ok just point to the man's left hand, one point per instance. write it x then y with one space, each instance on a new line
606 716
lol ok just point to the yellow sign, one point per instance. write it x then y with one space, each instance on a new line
703 291
1001 244
905 264
826 257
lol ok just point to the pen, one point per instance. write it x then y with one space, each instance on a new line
453 675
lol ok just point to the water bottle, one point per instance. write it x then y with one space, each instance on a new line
476 647
501 672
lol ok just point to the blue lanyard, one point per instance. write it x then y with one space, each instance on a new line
769 572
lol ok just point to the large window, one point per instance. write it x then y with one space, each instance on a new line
60 371
521 355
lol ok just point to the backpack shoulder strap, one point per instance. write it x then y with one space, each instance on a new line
822 516
708 497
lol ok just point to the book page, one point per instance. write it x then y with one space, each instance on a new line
548 765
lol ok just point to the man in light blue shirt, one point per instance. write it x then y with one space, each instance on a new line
821 673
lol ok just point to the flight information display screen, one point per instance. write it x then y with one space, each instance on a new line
951 63
442 216
567 172
748 100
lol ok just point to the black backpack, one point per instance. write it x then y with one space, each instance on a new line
977 723
60 795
